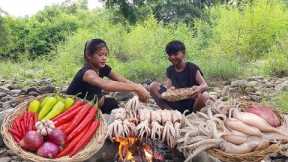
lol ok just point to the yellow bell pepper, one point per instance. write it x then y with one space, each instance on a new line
34 106
68 102
51 101
57 109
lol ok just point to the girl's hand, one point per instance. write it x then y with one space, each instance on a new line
142 93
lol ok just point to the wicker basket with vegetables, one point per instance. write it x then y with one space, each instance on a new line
54 128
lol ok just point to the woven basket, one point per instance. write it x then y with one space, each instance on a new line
178 94
255 156
90 149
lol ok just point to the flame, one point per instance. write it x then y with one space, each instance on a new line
124 151
148 153
128 145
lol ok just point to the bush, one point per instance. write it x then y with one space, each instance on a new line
250 32
277 59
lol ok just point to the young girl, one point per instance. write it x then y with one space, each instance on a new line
181 74
89 80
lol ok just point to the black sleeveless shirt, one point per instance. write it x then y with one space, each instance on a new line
79 86
185 78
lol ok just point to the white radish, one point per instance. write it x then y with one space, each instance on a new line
235 139
237 133
237 149
242 127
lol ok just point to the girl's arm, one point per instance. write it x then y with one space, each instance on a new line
92 78
117 77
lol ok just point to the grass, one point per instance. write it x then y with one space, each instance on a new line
281 101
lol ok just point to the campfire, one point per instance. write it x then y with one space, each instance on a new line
132 149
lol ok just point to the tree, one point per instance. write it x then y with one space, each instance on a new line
163 10
4 35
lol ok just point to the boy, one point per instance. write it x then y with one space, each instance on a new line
181 74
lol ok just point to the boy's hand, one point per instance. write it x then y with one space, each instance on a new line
172 88
197 90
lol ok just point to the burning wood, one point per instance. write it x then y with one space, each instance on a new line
133 149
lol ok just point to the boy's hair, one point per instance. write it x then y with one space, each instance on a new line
175 46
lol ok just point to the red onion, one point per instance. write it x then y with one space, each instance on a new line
57 137
31 141
48 150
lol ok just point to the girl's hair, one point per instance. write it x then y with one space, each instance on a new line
92 46
175 46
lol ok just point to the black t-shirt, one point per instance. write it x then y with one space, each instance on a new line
185 78
79 86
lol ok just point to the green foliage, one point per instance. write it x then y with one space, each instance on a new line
249 33
5 36
281 101
39 34
234 40
220 67
168 11
277 59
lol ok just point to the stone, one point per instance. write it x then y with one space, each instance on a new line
282 86
214 95
5 159
44 81
255 78
63 89
252 84
47 89
239 83
255 98
122 96
13 86
250 89
2 94
16 91
4 89
6 98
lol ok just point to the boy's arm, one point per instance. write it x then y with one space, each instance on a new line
203 86
168 83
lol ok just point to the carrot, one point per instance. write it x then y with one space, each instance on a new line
64 126
14 132
18 125
26 120
86 121
14 126
86 138
79 116
35 119
23 119
67 117
23 126
69 147
30 121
